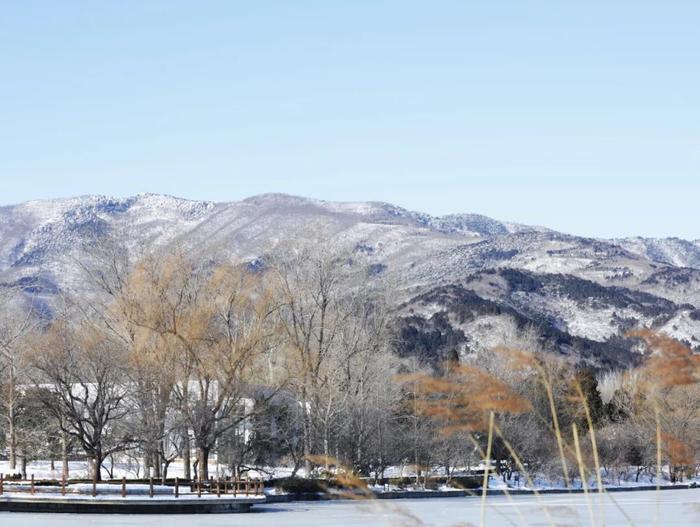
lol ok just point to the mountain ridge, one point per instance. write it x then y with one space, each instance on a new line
583 293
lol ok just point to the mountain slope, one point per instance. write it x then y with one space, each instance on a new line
672 251
582 294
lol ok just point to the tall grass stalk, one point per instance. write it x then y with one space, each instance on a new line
526 473
508 495
657 416
582 472
594 447
555 421
485 485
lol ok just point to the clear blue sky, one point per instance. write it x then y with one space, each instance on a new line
579 115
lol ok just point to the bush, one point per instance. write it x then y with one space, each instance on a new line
301 486
466 482
401 482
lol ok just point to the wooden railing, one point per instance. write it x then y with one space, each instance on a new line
231 487
220 487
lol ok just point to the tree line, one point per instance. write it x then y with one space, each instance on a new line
294 361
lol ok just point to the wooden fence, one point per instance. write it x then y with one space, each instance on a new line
219 487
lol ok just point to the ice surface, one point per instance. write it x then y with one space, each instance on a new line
678 508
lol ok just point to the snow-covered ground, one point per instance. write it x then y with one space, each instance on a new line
130 469
677 508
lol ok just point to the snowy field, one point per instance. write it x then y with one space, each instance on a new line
677 508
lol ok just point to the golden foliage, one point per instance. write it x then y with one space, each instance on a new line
678 452
464 399
671 362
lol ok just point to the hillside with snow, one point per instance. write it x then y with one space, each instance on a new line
466 281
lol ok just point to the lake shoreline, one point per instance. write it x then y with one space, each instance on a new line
457 493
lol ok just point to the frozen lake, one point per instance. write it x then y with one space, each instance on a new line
678 507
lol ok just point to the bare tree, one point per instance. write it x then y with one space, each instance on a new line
215 325
124 295
85 372
367 366
36 430
17 321
312 314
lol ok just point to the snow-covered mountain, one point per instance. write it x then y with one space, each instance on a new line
674 251
466 281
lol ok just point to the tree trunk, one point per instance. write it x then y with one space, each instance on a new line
24 467
64 455
97 466
160 455
186 454
147 461
12 442
380 437
415 438
11 420
157 472
203 454
166 465
306 432
326 451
